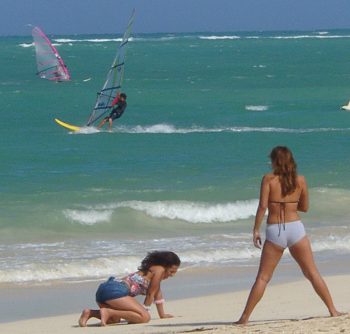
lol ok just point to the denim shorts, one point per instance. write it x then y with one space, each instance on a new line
111 289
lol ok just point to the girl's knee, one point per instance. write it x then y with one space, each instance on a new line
311 275
263 278
145 317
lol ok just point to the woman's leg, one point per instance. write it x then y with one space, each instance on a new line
114 310
127 308
271 255
302 254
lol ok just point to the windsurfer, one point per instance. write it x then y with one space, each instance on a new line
118 107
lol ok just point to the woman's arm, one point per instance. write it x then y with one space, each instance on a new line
154 286
154 293
260 212
303 204
159 301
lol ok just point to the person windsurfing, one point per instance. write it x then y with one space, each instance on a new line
118 107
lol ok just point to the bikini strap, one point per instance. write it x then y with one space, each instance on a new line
281 218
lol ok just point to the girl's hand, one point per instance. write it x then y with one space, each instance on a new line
257 239
164 316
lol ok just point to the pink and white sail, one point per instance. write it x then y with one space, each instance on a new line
50 65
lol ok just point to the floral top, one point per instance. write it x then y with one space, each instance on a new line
138 284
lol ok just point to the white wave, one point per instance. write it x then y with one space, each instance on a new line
316 35
101 267
39 245
88 217
79 260
256 108
219 37
340 243
195 212
221 256
310 37
26 45
91 40
86 130
171 129
192 212
157 128
98 268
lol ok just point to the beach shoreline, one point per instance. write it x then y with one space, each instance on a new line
55 298
293 306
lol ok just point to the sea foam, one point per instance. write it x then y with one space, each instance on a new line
194 212
256 108
88 217
172 129
191 212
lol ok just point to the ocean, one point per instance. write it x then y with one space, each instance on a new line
181 169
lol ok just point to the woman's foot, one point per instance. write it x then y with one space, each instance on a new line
107 316
337 314
104 316
84 317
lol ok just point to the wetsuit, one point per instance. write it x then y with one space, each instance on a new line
118 108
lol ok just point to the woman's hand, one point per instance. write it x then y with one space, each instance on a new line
257 239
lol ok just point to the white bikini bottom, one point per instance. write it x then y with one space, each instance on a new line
285 234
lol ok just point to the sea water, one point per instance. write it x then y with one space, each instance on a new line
181 169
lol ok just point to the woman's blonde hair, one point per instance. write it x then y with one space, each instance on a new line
284 166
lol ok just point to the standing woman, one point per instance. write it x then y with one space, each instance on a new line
283 192
115 297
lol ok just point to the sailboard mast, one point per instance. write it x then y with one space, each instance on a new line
50 65
114 78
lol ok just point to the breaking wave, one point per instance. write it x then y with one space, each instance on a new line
191 212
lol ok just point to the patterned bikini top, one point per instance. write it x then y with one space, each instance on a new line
138 284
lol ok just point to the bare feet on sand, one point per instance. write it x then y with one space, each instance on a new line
84 317
337 314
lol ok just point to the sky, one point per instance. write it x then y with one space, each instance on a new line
69 17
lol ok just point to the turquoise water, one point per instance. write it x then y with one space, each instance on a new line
181 169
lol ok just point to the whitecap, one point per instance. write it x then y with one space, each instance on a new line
88 217
214 37
256 108
195 212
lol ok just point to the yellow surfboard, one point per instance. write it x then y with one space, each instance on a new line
67 126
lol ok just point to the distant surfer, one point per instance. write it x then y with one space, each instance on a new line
118 107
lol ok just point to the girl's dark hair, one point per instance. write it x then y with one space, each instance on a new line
159 258
284 166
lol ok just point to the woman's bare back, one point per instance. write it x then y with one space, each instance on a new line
285 208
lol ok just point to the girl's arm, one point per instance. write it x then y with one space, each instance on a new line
154 286
303 204
260 212
159 301
154 293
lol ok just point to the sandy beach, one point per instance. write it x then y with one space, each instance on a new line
285 308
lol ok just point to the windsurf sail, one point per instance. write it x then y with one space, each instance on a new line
50 65
114 78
